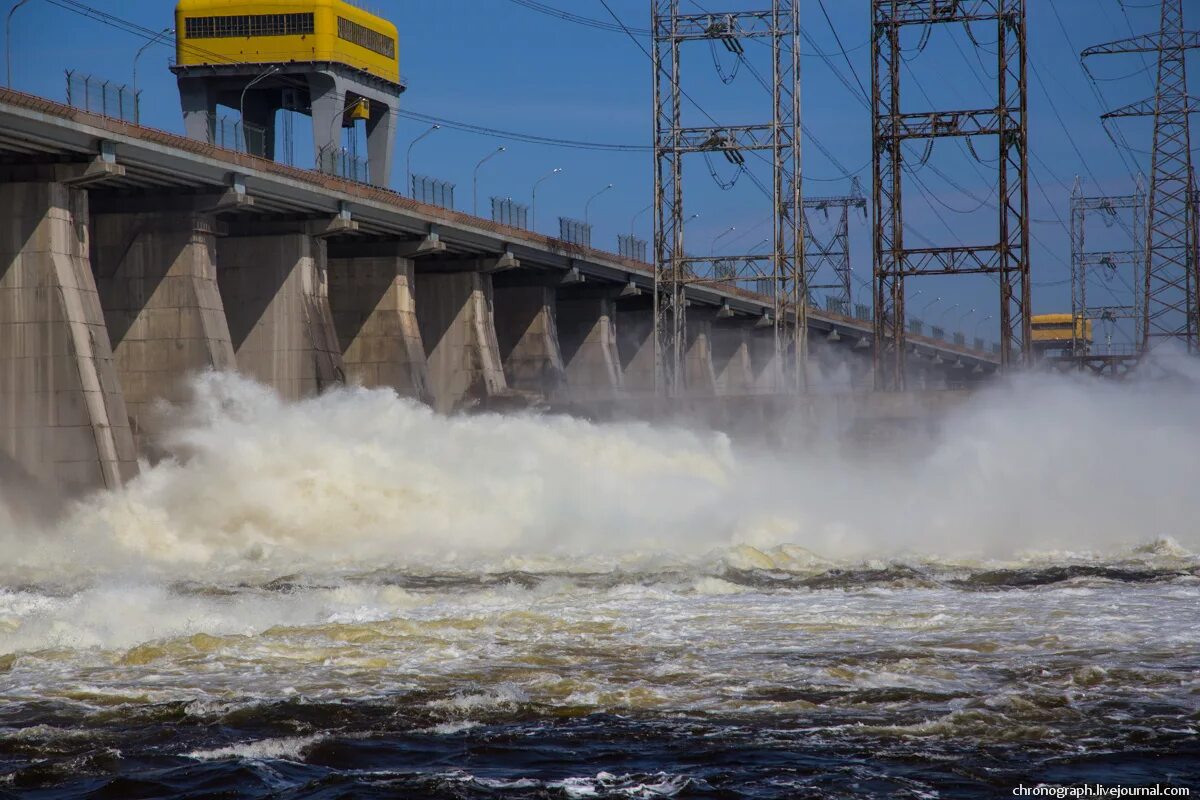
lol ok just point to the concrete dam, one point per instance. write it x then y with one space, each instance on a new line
131 258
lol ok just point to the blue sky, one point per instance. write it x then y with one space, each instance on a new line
501 65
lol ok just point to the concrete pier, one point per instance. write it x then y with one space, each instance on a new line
635 346
732 367
373 302
587 337
455 313
276 294
62 416
700 376
157 278
528 339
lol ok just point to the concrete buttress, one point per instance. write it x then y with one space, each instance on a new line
157 278
588 341
276 294
455 313
62 414
371 294
527 335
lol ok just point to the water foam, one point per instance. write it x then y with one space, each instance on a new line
359 477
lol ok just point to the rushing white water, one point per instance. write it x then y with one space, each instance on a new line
1027 574
361 477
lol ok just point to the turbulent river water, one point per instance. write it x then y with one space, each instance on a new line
351 597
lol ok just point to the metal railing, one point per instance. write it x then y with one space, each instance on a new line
837 305
630 246
432 191
342 163
106 98
574 231
508 212
233 134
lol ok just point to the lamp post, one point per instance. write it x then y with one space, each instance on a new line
946 311
965 317
8 42
713 248
137 106
408 158
930 305
533 195
475 178
633 219
588 205
242 99
979 324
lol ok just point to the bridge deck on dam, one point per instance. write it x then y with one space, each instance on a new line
131 257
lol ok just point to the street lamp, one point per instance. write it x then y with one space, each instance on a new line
533 199
633 219
242 99
137 106
964 318
979 324
408 158
475 178
713 248
8 42
588 205
929 305
946 311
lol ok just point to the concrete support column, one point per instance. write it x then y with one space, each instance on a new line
527 336
455 313
199 103
765 360
157 278
699 372
275 288
732 367
587 337
371 295
635 346
62 415
381 136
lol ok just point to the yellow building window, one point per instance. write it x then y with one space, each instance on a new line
363 36
248 25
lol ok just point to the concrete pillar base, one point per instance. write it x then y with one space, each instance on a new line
157 278
455 313
732 365
588 339
635 345
62 415
527 335
375 316
277 302
700 377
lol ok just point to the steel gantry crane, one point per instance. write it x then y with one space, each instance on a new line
777 142
1006 121
1169 305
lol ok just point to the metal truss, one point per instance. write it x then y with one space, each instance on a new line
777 273
1085 262
1008 258
1172 273
827 263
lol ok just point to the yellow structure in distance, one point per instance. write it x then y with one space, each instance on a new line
226 32
1060 329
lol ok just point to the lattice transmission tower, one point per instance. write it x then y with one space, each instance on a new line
827 261
1121 266
1005 122
776 141
1171 277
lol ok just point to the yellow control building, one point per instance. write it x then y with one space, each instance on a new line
1060 332
327 58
